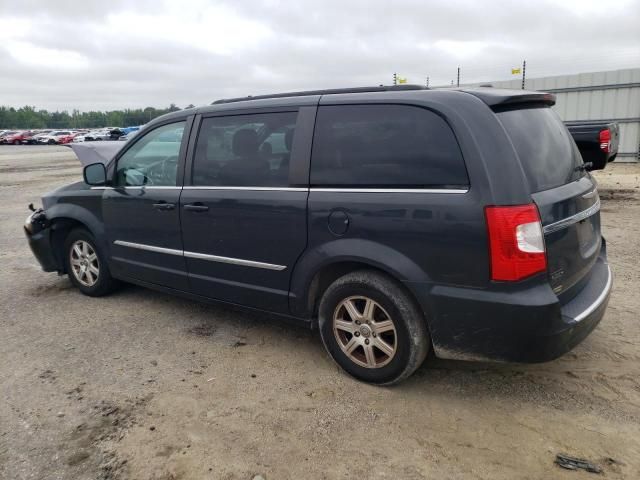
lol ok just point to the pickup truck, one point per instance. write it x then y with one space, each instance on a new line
596 140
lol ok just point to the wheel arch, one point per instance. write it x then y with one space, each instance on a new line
63 219
320 267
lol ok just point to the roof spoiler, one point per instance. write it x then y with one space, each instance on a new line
496 98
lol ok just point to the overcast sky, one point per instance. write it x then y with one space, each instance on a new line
108 54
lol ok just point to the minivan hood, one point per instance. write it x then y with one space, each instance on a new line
99 152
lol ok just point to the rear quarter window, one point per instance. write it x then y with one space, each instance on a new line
385 146
547 152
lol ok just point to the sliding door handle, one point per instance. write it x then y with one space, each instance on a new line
196 207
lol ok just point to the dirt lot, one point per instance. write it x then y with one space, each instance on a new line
141 385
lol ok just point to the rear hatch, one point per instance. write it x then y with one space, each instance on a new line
565 194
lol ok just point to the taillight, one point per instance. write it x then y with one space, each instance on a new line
605 140
516 242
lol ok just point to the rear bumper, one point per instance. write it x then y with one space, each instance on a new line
528 325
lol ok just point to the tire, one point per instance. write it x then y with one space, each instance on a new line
86 264
16 142
51 142
408 338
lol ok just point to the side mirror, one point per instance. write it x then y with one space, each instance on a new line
95 174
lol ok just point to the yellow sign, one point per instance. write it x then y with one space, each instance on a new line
515 71
402 80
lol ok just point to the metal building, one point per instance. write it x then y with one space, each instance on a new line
612 95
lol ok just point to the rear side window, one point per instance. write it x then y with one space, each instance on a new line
549 156
245 150
384 146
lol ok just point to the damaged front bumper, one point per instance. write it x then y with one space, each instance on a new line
37 228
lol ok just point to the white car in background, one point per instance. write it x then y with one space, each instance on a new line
53 137
99 135
92 135
42 133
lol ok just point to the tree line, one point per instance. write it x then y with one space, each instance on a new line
28 117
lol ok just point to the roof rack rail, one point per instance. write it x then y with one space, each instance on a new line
381 88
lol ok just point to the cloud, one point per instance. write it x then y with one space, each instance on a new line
26 53
97 55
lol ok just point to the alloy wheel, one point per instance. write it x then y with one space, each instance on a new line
365 332
84 263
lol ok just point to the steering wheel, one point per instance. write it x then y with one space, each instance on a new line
161 171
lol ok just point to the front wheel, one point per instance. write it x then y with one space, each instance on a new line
372 328
86 264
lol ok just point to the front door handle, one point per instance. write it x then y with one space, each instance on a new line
196 207
162 205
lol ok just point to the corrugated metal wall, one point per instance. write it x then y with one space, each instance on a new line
613 95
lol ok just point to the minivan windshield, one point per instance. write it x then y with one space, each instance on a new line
549 156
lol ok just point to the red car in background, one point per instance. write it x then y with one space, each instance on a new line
30 137
16 138
68 138
6 133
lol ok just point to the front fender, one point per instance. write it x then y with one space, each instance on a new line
90 218
343 250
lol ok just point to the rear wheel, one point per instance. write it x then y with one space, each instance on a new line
86 264
16 142
372 328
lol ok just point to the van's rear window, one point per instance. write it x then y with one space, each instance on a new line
549 156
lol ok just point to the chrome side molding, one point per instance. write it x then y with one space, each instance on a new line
393 190
149 248
201 256
255 189
302 189
234 261
141 187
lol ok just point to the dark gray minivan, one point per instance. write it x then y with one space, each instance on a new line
394 219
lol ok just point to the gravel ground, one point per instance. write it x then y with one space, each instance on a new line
142 385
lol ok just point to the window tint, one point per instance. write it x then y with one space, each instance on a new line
245 150
153 159
383 146
548 154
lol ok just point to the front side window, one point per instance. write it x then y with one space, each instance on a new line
385 146
153 159
245 150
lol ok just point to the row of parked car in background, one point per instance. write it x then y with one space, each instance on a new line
62 136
